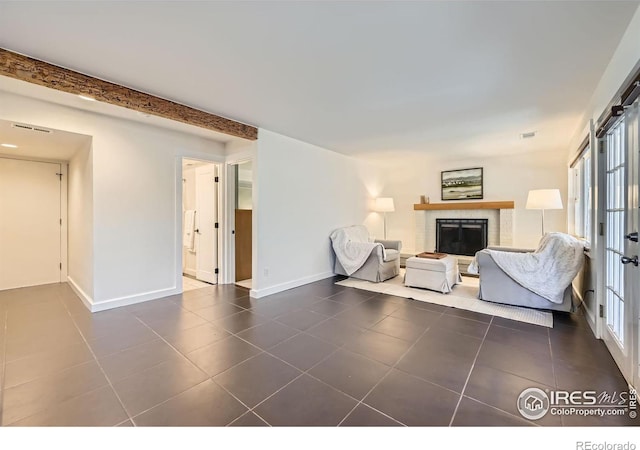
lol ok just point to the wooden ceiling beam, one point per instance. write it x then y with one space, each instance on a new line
23 68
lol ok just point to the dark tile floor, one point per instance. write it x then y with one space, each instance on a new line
318 355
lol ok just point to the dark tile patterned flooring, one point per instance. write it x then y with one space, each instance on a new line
318 355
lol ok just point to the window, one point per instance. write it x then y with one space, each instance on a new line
582 195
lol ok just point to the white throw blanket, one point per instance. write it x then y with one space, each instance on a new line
352 247
547 271
189 229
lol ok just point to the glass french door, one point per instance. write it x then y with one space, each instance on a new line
621 273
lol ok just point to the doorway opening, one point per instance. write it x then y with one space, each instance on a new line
31 210
42 236
200 224
242 173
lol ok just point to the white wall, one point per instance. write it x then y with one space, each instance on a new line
136 205
624 62
239 149
80 221
508 177
301 194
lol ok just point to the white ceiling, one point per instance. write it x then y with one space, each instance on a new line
56 145
355 77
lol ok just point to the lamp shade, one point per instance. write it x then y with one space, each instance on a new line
384 204
544 199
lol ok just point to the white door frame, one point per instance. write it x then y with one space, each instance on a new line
221 215
64 227
229 236
632 248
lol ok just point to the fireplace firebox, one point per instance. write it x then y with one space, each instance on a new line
461 236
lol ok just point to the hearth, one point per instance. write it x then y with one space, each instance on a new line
461 236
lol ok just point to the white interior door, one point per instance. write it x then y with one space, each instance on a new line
621 251
207 223
30 223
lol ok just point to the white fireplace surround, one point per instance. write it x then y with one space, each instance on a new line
499 230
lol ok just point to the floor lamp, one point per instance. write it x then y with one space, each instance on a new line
544 199
384 205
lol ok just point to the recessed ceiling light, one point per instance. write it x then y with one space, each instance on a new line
9 145
528 135
87 98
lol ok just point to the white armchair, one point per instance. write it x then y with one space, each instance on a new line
382 263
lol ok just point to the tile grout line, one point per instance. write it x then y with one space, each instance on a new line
71 367
553 365
553 369
299 332
182 392
230 424
504 412
302 373
232 334
124 421
305 372
211 377
391 368
464 387
183 356
108 355
95 357
343 346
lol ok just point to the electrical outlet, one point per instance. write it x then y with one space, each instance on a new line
266 272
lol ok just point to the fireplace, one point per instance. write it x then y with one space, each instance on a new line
461 236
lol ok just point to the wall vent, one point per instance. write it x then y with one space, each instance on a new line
26 127
528 135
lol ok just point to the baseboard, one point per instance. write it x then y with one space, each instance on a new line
587 314
258 293
133 299
88 301
592 324
190 272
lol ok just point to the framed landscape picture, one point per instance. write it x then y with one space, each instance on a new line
464 184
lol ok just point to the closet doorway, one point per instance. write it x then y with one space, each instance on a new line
200 224
30 223
243 218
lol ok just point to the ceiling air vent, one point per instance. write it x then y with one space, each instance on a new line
26 127
528 135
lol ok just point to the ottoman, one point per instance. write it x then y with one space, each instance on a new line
435 274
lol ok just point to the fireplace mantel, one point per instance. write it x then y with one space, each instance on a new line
463 205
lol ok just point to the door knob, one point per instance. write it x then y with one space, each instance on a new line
632 236
198 230
627 260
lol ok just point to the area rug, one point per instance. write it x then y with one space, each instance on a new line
463 296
